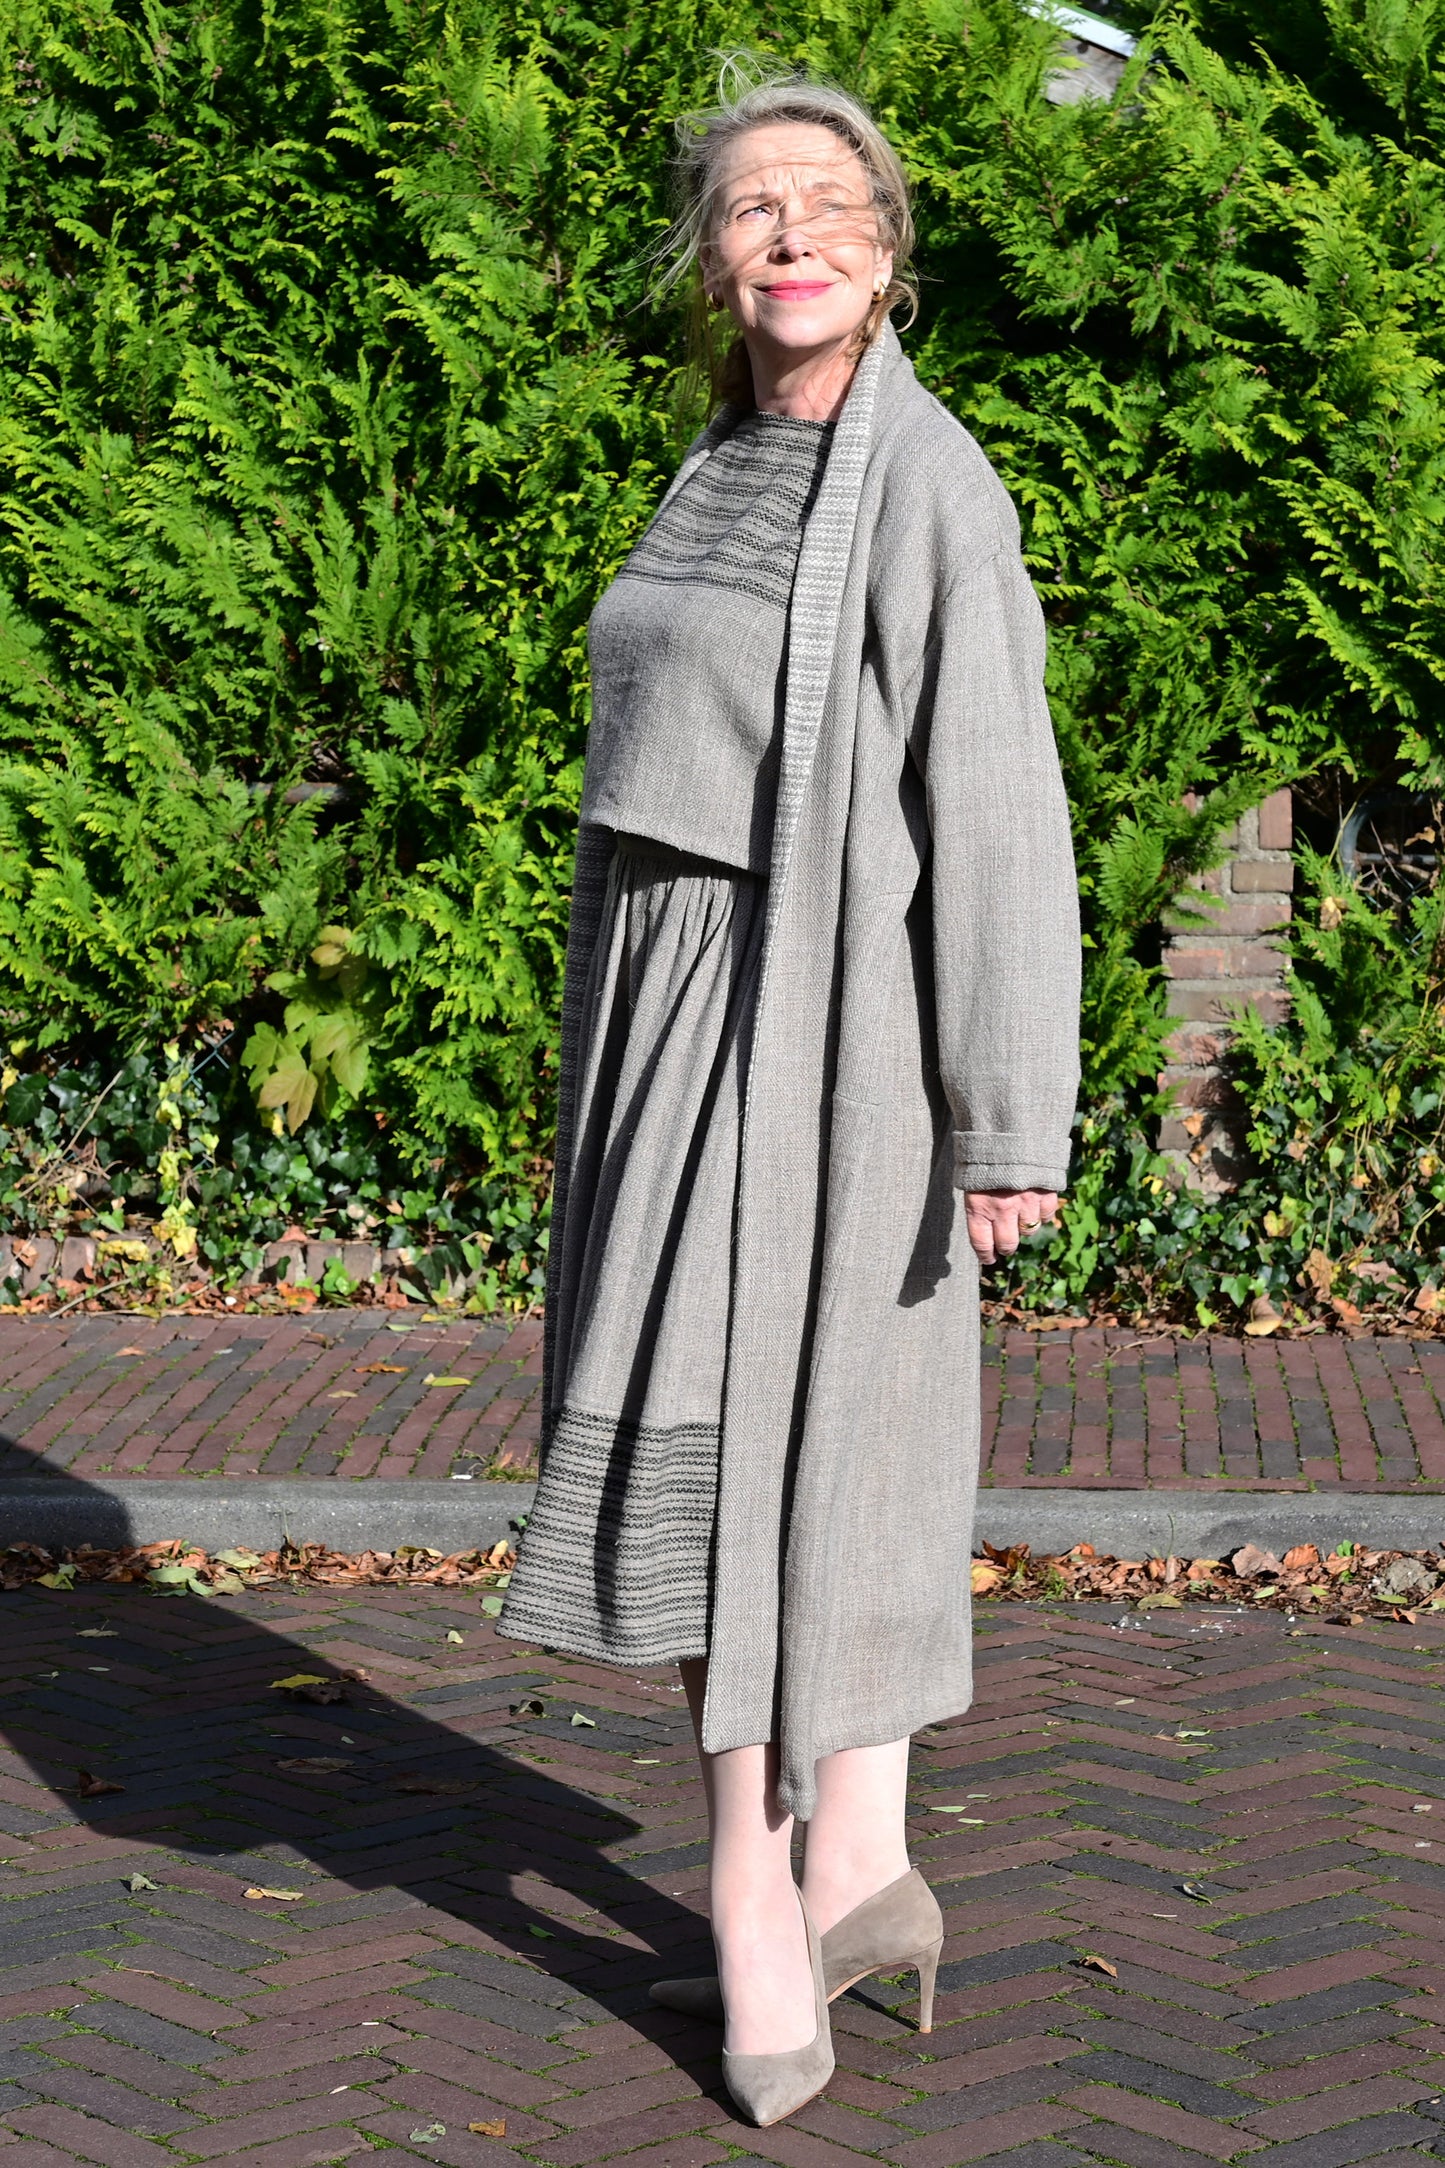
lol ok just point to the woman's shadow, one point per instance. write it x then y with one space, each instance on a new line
156 1773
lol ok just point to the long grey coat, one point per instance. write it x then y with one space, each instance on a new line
916 1033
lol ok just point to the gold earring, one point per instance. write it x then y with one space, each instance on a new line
880 286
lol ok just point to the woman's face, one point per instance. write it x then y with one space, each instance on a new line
794 250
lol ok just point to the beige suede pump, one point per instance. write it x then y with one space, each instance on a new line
768 2087
898 1929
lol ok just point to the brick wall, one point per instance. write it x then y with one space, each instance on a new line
1216 968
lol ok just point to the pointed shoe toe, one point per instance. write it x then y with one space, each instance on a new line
765 2088
700 1998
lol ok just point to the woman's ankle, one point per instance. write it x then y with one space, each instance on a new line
765 1973
831 1890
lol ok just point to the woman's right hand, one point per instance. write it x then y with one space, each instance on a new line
997 1217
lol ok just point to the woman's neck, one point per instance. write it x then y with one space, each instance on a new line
809 387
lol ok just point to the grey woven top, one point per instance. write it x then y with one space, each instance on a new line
687 646
739 522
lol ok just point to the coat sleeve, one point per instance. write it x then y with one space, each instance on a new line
1005 898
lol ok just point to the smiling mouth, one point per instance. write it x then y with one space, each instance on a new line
798 290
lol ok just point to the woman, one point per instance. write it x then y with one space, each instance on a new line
822 975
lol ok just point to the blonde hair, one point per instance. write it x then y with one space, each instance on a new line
752 95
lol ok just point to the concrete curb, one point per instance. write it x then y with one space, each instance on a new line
1196 1524
358 1516
455 1516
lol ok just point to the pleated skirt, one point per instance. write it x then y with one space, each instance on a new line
617 1558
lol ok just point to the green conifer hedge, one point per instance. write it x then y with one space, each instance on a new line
330 396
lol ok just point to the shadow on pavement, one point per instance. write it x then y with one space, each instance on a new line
420 1788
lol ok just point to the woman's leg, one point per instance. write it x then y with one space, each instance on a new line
762 1949
855 1843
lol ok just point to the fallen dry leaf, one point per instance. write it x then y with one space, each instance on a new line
315 1765
531 1707
432 1379
490 2130
1098 1964
310 1686
92 1787
1250 1560
281 1896
986 1577
377 1370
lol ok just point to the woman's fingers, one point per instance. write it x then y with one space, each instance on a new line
997 1217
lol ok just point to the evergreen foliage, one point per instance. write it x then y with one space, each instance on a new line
330 396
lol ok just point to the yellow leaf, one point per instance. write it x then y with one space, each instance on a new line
285 1079
134 1252
1098 1964
282 1896
332 944
1160 1600
301 1678
985 1577
176 1229
301 1101
430 1380
497 2129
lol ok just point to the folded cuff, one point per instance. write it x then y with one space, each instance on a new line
1000 1159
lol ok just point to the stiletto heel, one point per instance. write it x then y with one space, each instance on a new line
927 1963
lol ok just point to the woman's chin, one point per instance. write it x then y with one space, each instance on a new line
793 328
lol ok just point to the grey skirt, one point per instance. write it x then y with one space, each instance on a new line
616 1562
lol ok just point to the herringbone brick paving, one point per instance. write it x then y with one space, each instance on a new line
1189 1866
108 1397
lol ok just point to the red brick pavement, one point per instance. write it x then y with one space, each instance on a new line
252 1396
260 1396
481 1899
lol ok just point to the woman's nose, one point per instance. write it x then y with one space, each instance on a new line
792 242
